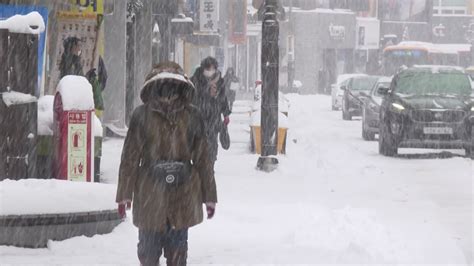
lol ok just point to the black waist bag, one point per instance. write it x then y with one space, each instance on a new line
172 173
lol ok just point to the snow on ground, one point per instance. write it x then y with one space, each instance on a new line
54 196
333 199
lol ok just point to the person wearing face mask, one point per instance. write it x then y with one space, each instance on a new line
71 58
165 169
211 100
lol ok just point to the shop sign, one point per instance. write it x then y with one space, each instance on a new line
337 32
209 16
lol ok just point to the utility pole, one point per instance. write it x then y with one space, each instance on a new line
291 54
270 57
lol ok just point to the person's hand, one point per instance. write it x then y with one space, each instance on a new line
91 74
226 120
123 206
211 209
213 90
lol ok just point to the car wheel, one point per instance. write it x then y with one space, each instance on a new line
366 135
387 145
334 108
346 115
469 153
345 112
470 150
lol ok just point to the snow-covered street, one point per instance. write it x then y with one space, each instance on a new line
333 199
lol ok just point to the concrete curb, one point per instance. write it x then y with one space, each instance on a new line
34 231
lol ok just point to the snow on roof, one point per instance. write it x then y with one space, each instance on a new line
438 68
343 77
454 48
434 47
14 98
186 19
385 79
31 23
76 93
45 115
367 19
324 11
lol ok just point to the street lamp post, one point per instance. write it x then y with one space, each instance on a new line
270 57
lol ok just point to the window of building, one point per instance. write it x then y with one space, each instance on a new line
450 7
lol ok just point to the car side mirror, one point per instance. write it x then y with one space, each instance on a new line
344 87
383 91
364 94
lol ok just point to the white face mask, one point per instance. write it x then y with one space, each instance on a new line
209 73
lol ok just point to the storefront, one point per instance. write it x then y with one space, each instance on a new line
367 45
324 42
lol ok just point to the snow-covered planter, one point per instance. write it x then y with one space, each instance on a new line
36 211
31 23
255 132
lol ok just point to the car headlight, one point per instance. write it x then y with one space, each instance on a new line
397 107
472 108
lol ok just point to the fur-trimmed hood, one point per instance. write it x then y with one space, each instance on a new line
164 75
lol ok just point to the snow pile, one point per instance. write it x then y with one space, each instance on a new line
98 130
297 84
38 196
45 115
76 93
14 98
323 11
283 102
32 23
256 119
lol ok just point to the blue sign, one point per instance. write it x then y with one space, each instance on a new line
7 11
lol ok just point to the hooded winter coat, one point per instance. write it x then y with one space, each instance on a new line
172 134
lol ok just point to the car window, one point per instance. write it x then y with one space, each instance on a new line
426 83
365 83
379 85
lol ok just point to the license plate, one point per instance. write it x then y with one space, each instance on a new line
438 130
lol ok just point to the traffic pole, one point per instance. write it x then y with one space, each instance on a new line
270 67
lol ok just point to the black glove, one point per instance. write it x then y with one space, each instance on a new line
91 74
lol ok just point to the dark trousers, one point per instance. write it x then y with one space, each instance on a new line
173 242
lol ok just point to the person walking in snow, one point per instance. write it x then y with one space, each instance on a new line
230 83
210 99
165 169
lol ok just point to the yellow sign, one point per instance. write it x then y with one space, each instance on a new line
88 6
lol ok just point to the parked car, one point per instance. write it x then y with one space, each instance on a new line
371 109
337 92
427 107
352 100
